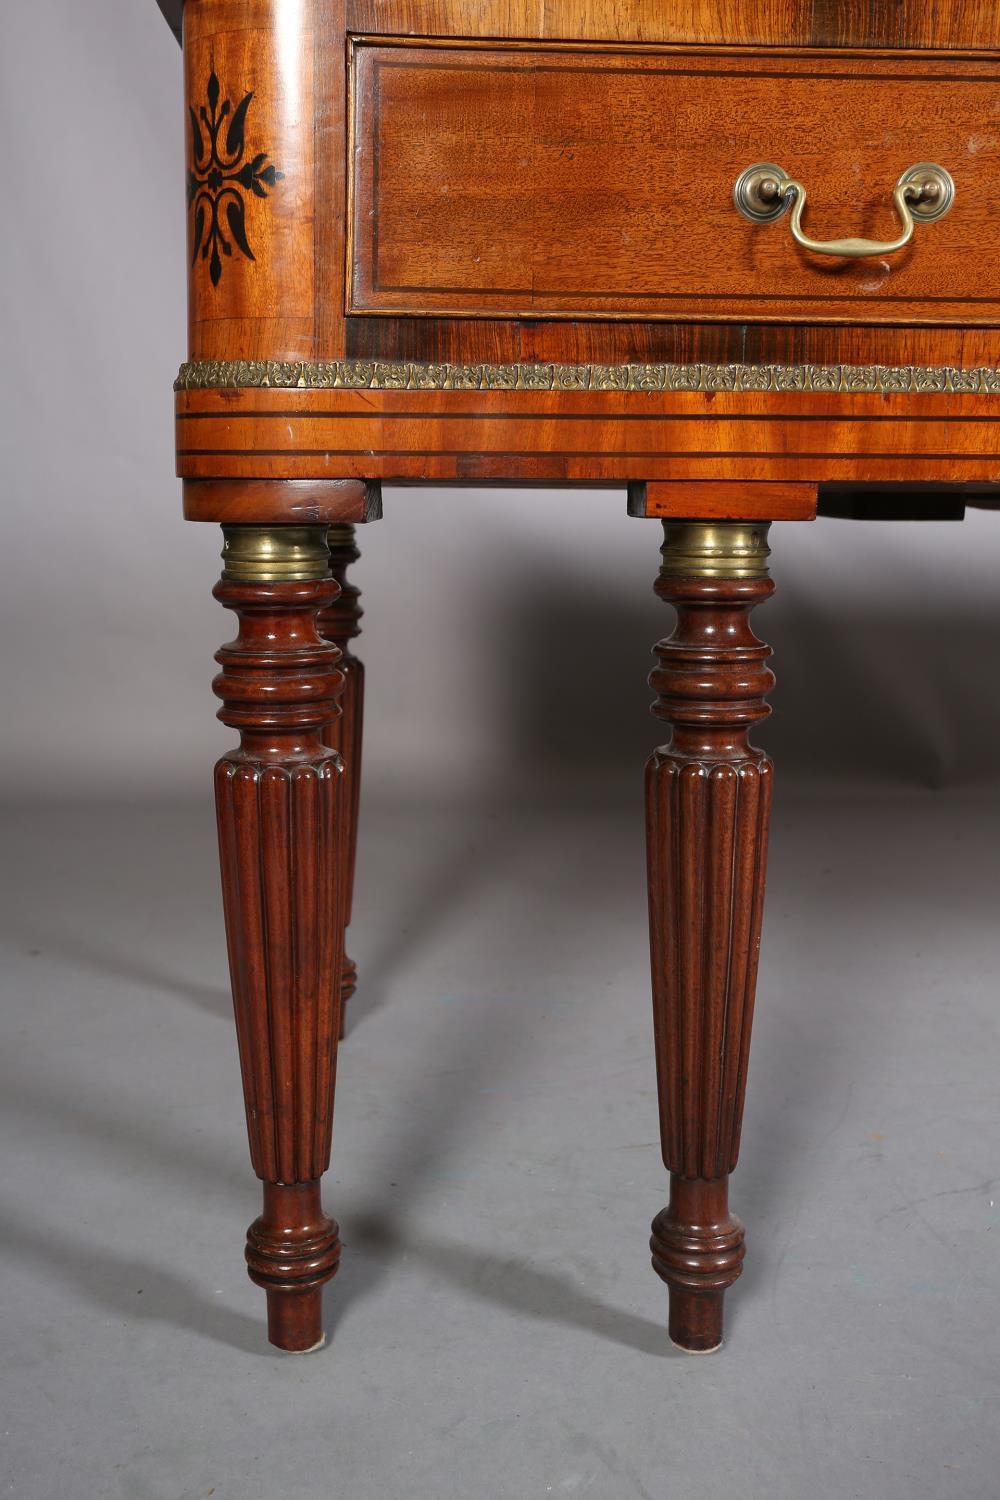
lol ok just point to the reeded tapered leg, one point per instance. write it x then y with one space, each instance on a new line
279 799
340 624
708 793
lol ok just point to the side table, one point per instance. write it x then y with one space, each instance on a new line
746 277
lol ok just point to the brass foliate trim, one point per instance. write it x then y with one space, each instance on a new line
408 375
274 554
715 549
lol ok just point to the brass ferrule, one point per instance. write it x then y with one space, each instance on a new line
274 554
715 549
340 534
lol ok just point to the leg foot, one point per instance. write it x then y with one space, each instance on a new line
695 1323
295 1321
698 1251
292 1250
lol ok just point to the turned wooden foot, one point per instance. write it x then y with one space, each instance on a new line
279 799
340 624
292 1249
698 1250
708 794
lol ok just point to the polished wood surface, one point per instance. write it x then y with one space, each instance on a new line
585 436
282 827
299 501
265 299
795 23
775 23
436 340
708 798
720 501
598 182
293 61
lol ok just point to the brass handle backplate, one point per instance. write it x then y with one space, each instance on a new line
764 192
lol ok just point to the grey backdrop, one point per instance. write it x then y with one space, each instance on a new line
507 633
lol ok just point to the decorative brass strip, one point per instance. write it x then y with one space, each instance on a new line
274 554
406 375
715 549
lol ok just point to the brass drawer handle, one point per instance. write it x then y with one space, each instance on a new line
764 192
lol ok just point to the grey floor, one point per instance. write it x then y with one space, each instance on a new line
496 1330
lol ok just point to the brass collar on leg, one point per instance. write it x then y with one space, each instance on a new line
715 549
274 554
340 534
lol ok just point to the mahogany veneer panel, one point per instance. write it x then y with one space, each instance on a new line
589 183
495 341
815 23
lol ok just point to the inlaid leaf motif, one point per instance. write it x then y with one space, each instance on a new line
199 231
236 217
219 177
234 136
196 137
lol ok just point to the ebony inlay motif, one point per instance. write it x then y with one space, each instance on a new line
217 180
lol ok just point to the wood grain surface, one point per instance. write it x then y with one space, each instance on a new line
300 501
795 23
593 182
587 436
269 299
804 23
718 500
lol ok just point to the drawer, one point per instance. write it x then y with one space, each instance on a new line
494 180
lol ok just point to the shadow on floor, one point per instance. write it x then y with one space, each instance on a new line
130 1289
503 1281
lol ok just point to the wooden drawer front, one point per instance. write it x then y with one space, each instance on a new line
553 181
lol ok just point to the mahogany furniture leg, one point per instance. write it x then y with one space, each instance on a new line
708 794
340 624
281 830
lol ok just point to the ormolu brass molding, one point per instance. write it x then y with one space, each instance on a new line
274 554
407 375
715 549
